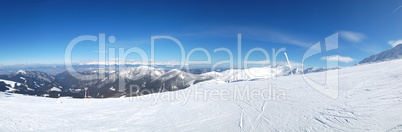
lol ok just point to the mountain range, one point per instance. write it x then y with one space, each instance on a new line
141 80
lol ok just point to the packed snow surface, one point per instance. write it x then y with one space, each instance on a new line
370 99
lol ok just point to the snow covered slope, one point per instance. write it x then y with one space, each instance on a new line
253 73
370 99
394 53
234 75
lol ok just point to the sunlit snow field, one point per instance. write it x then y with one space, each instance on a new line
370 98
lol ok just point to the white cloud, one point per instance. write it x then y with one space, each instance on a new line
354 37
338 58
394 43
277 37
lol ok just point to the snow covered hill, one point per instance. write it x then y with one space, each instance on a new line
394 53
370 99
147 79
33 79
234 75
30 82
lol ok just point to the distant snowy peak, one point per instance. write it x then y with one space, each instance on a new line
21 72
391 54
109 71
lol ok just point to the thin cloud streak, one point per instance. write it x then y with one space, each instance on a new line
338 58
254 33
350 36
396 9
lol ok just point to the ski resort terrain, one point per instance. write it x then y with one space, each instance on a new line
370 99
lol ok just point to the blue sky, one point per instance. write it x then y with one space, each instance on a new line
37 32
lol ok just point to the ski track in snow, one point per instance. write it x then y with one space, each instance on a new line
370 99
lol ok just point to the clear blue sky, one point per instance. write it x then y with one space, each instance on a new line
34 32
